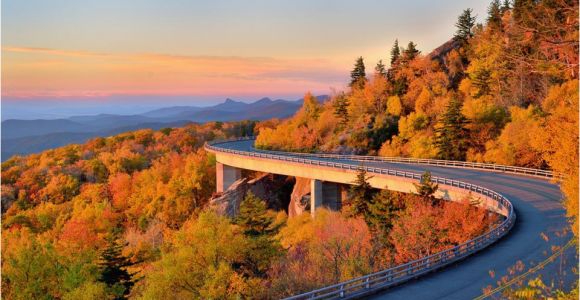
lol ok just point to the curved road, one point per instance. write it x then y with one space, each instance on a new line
540 226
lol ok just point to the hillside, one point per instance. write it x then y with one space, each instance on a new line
505 92
150 194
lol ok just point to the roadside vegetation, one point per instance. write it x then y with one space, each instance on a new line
127 216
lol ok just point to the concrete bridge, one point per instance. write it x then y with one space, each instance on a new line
541 222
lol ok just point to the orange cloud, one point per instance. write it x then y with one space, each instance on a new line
43 72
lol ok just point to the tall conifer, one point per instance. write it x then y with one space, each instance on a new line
451 136
358 74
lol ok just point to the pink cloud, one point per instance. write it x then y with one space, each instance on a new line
37 72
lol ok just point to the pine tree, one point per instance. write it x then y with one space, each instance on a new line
341 109
522 12
398 83
464 25
426 188
254 218
505 6
258 224
361 194
481 79
380 69
494 15
114 266
358 75
451 136
382 210
410 52
395 54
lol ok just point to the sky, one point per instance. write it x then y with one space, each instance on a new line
201 52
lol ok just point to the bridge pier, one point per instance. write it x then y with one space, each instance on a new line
226 176
324 193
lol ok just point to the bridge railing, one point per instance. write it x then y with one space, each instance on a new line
423 161
373 282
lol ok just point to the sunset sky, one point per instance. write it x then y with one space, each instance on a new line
205 51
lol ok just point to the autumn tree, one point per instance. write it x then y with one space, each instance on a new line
311 107
520 142
324 250
560 137
199 263
452 134
358 74
415 233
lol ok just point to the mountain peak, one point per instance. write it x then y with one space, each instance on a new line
263 100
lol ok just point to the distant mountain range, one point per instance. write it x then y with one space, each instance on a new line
31 136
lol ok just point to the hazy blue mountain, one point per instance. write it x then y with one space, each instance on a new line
33 144
30 136
171 111
22 128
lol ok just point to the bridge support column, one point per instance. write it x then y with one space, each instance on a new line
323 193
226 176
315 195
332 195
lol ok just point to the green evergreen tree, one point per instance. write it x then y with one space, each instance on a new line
114 265
410 52
522 12
464 25
381 212
395 53
361 194
258 224
494 14
426 188
380 69
358 74
451 136
505 6
254 217
481 79
341 109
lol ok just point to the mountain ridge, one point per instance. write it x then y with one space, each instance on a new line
31 136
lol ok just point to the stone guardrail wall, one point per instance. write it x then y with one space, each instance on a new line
374 282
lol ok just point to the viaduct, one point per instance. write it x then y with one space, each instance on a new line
530 238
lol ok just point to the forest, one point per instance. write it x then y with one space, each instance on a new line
128 216
503 92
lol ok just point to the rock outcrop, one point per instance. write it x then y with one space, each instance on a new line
274 189
300 198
